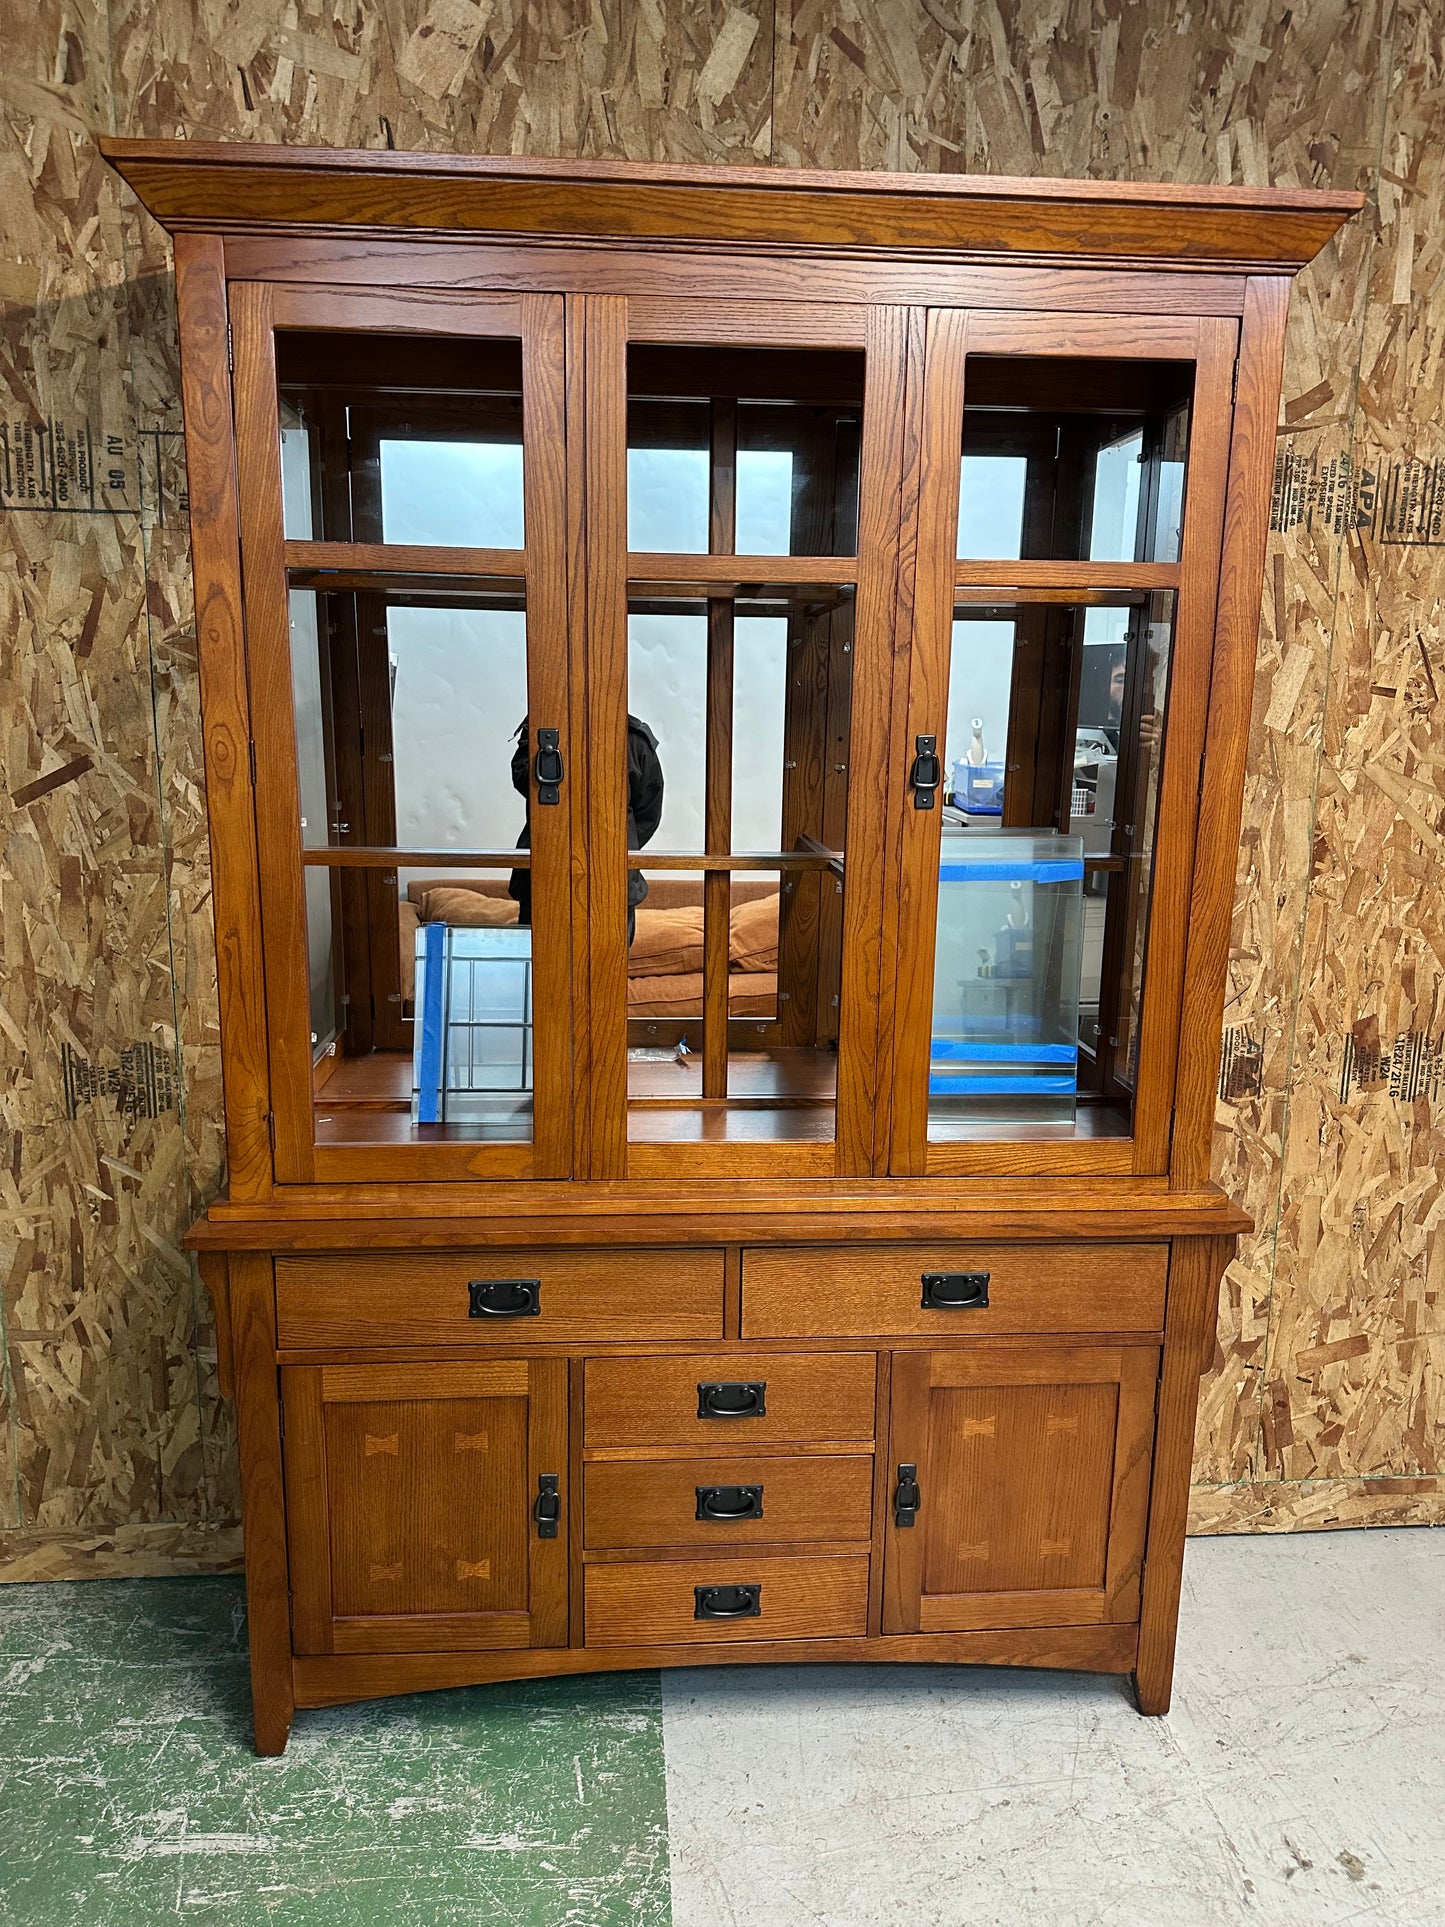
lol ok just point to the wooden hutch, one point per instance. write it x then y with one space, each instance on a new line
725 703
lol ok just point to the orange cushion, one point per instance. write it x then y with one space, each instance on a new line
667 943
467 909
676 996
753 935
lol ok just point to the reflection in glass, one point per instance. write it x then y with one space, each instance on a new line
743 451
1055 727
1073 459
462 494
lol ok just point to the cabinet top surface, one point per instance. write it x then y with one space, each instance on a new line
190 185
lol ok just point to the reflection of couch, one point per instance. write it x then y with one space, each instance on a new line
664 965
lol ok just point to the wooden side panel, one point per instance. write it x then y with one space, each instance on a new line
258 1430
201 313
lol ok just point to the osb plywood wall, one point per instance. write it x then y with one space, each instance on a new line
1325 1406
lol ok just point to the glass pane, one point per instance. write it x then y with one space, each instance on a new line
743 451
1073 459
739 728
408 712
1052 748
401 439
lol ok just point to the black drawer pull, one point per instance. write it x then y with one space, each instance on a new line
906 1498
955 1290
504 1298
727 1602
729 1502
745 1400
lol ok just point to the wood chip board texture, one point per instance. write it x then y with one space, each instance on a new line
1325 1403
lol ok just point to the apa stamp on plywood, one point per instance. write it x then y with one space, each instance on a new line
142 1084
1398 503
57 466
1413 1066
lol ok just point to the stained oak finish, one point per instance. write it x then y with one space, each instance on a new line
801 1598
843 1291
394 1548
406 1298
653 1502
654 1401
411 1520
1033 1474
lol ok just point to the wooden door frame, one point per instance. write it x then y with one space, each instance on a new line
258 309
1211 343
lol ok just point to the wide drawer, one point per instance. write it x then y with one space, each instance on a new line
655 1603
842 1291
721 1503
659 1401
485 1297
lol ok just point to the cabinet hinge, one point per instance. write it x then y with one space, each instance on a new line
271 1130
230 349
251 759
1234 384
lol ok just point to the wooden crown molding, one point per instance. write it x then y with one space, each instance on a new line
240 186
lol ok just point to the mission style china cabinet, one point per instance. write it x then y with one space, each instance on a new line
725 701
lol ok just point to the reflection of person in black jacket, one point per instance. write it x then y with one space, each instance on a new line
644 813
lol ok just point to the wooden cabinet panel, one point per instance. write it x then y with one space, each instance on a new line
426 1298
655 1602
410 1496
655 1401
856 1290
1032 1466
656 1502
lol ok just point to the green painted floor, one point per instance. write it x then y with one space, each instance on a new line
129 1793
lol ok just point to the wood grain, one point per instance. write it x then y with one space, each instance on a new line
802 1598
653 1502
654 1401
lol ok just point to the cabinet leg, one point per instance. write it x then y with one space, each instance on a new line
271 1726
1153 1689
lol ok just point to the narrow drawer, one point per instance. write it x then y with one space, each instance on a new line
843 1291
656 1603
485 1297
658 1401
722 1503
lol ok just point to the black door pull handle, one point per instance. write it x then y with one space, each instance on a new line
547 1508
907 1498
927 772
729 1502
547 766
504 1298
727 1602
742 1400
955 1290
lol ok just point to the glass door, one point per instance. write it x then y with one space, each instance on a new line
1071 510
747 468
402 478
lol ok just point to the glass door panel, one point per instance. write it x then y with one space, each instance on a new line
1044 687
743 501
421 544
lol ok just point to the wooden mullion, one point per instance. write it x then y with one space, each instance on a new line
550 676
718 779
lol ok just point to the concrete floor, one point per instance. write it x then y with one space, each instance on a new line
1300 1778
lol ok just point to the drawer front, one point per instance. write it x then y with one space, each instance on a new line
722 1503
652 1603
655 1401
485 1297
841 1291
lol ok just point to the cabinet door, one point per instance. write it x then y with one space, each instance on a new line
410 1495
1032 1468
1070 510
402 465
